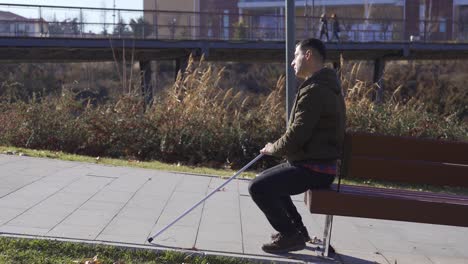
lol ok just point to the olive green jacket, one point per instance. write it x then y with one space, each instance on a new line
317 122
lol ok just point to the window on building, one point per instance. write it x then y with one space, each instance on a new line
422 17
462 23
226 24
443 24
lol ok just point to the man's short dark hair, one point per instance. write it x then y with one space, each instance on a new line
315 44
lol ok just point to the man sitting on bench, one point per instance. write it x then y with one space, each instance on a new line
311 144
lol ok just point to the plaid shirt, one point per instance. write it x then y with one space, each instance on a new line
327 168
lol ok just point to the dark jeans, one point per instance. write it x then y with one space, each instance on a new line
272 191
336 35
324 32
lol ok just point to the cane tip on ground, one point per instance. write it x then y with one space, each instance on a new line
150 239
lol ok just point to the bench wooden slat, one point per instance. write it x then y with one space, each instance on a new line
403 194
397 160
379 205
409 148
409 171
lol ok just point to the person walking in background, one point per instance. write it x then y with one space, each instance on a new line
323 26
311 145
336 27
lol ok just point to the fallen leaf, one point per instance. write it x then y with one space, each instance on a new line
91 261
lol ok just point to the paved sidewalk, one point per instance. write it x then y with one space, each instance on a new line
99 203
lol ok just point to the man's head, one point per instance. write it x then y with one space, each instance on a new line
309 57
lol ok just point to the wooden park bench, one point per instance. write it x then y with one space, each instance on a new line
397 160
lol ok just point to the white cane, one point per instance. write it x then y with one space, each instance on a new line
206 197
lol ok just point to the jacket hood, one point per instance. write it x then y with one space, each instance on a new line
326 77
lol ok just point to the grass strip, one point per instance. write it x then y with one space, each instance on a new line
21 250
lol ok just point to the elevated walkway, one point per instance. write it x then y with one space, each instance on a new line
32 49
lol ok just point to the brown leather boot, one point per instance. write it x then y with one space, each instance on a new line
302 230
284 243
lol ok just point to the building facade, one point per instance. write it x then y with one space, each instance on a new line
196 18
361 20
14 25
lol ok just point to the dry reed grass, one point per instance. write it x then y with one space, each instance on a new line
202 120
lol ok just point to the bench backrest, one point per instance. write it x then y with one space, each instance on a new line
405 159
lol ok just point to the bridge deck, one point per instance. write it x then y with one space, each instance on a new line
30 49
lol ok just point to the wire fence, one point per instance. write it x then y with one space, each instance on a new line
81 22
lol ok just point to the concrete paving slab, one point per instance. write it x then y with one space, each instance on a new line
90 218
224 203
22 230
254 222
447 260
231 187
432 234
21 202
8 159
127 184
37 220
8 188
356 238
176 236
148 202
88 185
213 217
418 239
86 232
14 180
99 170
136 238
220 246
405 258
128 226
161 184
42 167
221 232
95 203
360 257
50 209
101 206
243 187
193 184
141 213
63 198
8 214
436 250
126 230
113 196
191 219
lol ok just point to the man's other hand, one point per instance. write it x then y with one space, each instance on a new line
268 149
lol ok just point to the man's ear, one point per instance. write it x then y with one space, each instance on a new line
308 54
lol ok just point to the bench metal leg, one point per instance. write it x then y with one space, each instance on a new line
327 235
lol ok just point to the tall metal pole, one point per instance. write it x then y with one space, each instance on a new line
306 19
113 15
81 21
290 47
313 8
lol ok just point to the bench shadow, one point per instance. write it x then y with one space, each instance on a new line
334 258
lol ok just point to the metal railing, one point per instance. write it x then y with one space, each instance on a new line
81 22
